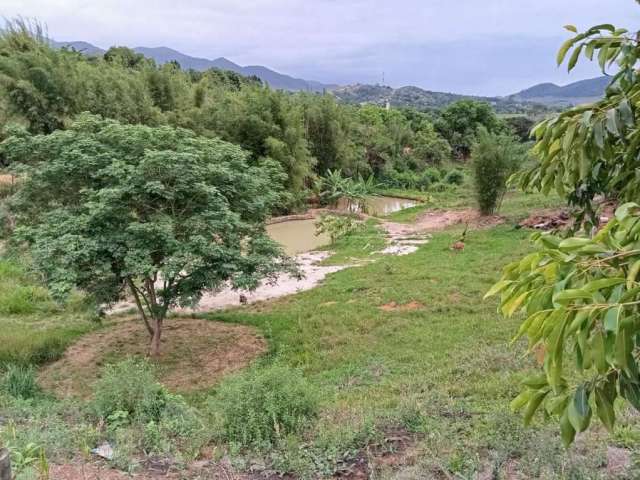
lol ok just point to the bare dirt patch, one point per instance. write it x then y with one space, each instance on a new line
395 307
439 220
195 354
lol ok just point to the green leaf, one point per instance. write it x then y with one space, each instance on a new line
563 50
579 410
603 283
611 319
574 243
612 121
598 133
571 28
521 400
567 432
624 210
536 382
574 57
498 287
633 274
566 296
533 405
630 390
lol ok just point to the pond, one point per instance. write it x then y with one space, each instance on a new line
299 236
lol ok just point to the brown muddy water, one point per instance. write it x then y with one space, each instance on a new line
298 236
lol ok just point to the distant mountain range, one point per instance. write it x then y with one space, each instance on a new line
424 99
548 94
162 55
584 91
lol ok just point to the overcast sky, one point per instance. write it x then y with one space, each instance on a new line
485 47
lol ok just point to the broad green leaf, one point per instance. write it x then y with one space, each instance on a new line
566 296
633 274
567 432
571 28
574 243
603 283
563 50
574 57
604 409
533 405
611 319
498 287
521 400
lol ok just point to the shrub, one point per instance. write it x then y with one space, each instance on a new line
401 179
454 177
264 405
337 226
433 174
495 159
19 381
129 390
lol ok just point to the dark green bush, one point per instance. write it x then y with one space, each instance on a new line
454 177
264 405
128 390
19 381
495 158
433 174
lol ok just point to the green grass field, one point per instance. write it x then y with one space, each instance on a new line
401 343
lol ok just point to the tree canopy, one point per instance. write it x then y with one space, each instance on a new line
158 210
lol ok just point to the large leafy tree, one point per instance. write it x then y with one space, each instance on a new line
160 211
459 123
581 295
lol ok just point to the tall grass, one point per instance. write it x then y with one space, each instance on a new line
33 328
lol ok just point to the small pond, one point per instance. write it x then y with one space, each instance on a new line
298 236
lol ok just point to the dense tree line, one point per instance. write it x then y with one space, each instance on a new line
44 88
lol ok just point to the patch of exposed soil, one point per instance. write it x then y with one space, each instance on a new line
395 307
195 354
439 220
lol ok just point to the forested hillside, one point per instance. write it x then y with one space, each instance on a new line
305 135
419 98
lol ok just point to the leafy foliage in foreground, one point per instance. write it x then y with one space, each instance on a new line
581 294
581 298
592 150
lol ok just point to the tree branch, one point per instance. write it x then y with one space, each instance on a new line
136 296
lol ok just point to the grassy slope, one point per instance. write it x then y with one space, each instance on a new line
445 369
449 361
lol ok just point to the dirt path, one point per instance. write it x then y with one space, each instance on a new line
406 238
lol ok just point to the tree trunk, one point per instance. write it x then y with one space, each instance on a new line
154 348
5 465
